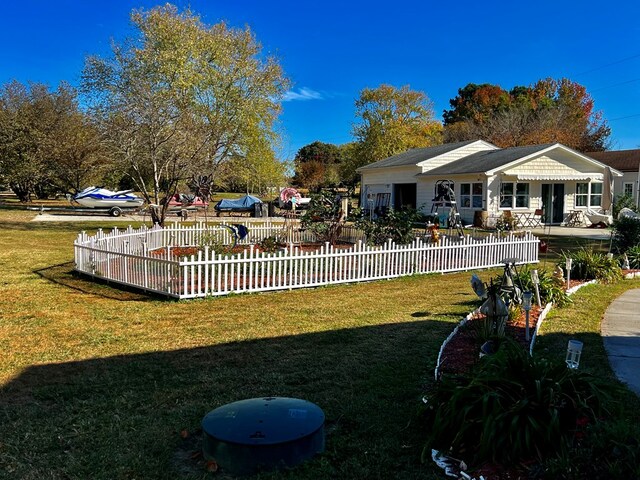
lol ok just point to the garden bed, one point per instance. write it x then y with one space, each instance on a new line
180 252
463 350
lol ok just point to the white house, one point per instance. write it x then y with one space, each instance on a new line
552 178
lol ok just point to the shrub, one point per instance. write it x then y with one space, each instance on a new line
212 238
633 254
623 201
588 265
396 225
512 407
325 217
626 234
551 288
270 244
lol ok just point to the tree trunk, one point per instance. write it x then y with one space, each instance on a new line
22 192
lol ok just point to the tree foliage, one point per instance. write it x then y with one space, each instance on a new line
183 99
392 120
317 166
46 143
548 111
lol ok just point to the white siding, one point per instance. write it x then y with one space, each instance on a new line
554 163
627 177
449 157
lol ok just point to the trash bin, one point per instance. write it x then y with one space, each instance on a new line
257 210
272 209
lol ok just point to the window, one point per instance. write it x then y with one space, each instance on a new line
514 195
627 189
588 194
595 199
582 194
471 195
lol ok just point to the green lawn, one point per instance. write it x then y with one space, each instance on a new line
97 382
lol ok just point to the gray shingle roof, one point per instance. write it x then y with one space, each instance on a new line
416 155
488 160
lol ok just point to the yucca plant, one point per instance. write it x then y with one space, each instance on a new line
511 407
589 265
551 288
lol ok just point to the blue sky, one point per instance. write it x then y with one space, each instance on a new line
333 49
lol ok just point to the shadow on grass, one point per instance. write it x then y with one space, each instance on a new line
64 274
121 417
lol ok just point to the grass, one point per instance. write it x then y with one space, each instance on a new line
97 382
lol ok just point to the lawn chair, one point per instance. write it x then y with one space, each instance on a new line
536 219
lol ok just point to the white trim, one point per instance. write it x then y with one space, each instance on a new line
614 172
558 177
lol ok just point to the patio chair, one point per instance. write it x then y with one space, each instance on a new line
536 219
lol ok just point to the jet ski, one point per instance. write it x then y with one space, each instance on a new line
98 197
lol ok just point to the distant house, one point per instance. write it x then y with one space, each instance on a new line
627 162
489 179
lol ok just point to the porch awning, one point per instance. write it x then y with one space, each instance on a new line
558 177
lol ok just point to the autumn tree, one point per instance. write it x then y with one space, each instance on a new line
392 120
317 165
183 99
548 111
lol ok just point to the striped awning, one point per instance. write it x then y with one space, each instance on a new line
558 177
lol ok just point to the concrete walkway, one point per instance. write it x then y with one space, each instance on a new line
621 336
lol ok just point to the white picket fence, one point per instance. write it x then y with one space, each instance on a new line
145 258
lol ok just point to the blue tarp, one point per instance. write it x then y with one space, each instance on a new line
245 203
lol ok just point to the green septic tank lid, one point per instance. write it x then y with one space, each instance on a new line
263 421
261 434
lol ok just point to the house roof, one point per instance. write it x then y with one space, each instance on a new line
485 161
416 155
623 160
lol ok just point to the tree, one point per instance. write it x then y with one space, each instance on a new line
393 120
183 99
46 143
317 166
546 112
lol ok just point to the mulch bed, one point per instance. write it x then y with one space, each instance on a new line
179 252
463 351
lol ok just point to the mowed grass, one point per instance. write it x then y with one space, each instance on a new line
98 382
102 383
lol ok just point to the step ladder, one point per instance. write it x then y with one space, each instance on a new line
445 202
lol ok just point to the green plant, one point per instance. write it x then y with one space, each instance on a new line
325 217
505 222
551 288
626 234
623 201
396 225
512 407
270 244
587 265
633 254
213 239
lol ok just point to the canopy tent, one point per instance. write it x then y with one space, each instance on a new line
242 204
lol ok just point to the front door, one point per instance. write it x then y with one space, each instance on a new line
553 202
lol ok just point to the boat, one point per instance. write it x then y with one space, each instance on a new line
98 197
182 200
